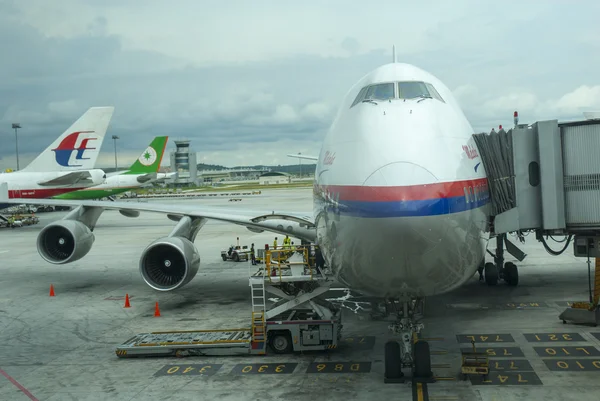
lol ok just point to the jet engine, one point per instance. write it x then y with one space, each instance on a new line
65 241
169 263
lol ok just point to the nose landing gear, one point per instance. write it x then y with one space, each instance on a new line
410 352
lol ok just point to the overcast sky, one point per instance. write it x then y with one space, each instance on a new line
249 81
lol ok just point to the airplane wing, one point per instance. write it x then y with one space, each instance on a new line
315 158
299 225
76 177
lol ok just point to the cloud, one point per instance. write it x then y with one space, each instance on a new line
250 83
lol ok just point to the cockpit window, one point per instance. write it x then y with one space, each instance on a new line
380 92
434 93
377 92
411 90
406 90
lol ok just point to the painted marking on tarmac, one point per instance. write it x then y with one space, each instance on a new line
485 338
189 370
359 342
264 368
420 392
18 385
573 365
597 335
553 337
507 379
498 352
504 305
558 352
339 367
511 365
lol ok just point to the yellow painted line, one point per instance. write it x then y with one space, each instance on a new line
420 396
199 331
193 343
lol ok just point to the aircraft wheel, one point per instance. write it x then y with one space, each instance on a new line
511 274
491 274
393 363
236 257
224 258
422 360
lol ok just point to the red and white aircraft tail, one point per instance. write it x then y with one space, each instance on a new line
78 147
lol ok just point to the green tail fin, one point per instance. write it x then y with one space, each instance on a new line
150 159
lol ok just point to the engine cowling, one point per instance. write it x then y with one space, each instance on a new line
169 263
64 241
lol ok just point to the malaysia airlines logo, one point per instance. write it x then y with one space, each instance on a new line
66 147
470 151
329 158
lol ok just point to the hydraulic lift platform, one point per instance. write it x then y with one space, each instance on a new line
297 322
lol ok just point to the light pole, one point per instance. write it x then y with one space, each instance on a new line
300 160
16 126
114 137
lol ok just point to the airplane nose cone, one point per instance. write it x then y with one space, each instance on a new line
400 174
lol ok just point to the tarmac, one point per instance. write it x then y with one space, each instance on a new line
63 347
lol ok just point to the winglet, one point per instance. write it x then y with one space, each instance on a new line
3 192
151 158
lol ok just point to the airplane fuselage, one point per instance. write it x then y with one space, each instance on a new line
401 195
113 185
27 184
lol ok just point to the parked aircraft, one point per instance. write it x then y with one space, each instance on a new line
67 164
393 205
143 171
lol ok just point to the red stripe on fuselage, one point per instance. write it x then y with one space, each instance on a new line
437 190
40 193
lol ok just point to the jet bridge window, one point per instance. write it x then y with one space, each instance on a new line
377 92
415 89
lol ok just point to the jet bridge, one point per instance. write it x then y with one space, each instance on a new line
543 178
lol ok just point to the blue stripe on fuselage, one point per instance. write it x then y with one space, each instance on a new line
412 208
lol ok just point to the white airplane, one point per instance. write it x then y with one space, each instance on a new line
67 164
142 172
399 207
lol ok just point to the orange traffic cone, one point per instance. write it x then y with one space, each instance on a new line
51 290
127 304
156 310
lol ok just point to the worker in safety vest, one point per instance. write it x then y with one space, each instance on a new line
252 255
293 247
275 243
286 242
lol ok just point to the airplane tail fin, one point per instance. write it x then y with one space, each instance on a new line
151 158
79 146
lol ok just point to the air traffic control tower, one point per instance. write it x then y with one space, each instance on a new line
183 162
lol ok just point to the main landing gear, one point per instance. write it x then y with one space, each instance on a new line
493 272
410 352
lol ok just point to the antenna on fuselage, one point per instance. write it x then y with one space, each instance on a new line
393 53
